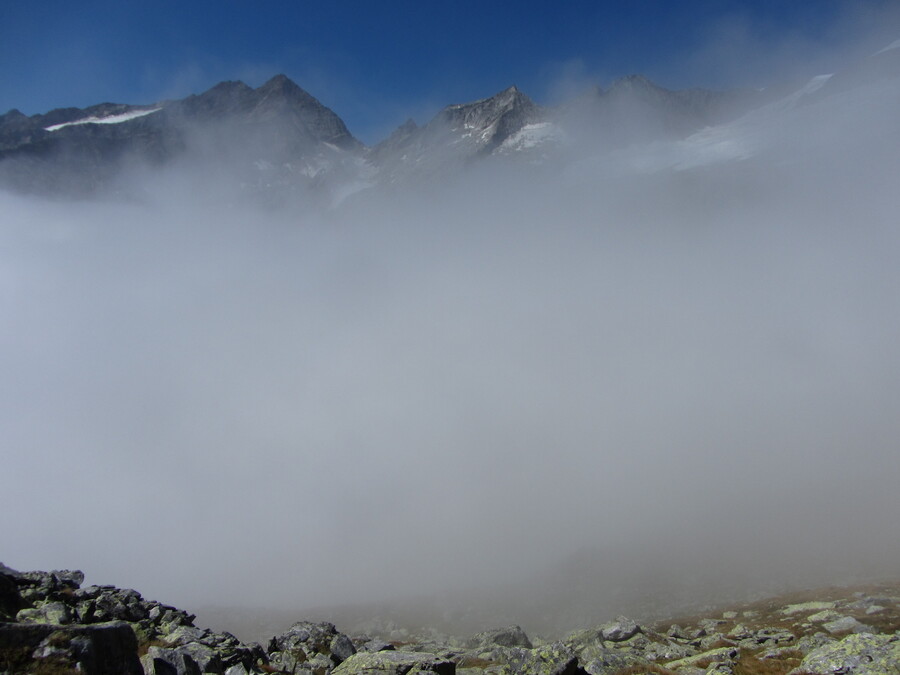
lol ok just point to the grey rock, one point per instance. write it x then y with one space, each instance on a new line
342 647
824 616
48 612
846 623
599 660
722 654
552 659
377 646
669 651
861 654
808 607
511 636
620 629
395 663
306 640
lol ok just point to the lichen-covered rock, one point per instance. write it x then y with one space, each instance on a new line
552 659
311 647
704 659
823 616
809 643
846 624
620 629
668 651
860 654
376 646
814 606
599 660
55 613
395 663
511 636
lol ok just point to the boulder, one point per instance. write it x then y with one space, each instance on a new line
377 646
860 654
846 624
705 659
395 663
620 629
823 616
55 613
553 659
814 606
511 636
600 661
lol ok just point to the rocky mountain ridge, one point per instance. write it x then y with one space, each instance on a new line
280 136
278 139
50 624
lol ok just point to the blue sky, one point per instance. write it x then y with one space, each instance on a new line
377 63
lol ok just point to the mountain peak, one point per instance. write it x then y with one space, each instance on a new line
280 81
283 85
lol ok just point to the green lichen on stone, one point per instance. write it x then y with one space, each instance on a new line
712 656
394 663
861 654
814 606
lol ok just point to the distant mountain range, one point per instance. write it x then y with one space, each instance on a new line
280 138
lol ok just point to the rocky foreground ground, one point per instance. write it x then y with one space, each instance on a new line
49 625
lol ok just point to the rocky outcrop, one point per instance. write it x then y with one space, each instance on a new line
49 624
395 663
274 134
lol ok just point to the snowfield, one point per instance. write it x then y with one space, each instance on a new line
109 119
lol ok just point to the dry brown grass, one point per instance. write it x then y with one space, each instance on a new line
750 664
768 611
647 669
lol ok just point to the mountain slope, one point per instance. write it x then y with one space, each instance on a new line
75 150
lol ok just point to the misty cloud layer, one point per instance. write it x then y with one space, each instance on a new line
416 393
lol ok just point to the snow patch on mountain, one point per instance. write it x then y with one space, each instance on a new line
532 136
109 119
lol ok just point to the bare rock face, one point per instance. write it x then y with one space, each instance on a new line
81 151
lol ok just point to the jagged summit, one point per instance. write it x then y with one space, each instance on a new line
490 121
282 131
281 86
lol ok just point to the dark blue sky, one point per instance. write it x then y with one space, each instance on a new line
377 63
